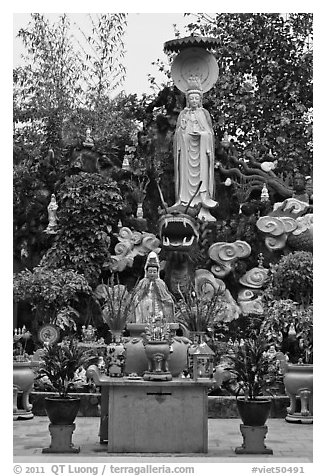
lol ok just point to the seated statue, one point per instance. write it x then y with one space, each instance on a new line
194 154
152 298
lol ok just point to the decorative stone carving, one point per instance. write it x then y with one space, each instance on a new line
249 298
132 244
226 254
207 285
290 206
254 278
250 303
288 223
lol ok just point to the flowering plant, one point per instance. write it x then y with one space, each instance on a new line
289 326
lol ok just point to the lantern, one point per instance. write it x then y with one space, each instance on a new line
203 362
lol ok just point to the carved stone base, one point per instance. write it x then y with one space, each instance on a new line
61 439
299 418
22 415
253 440
157 376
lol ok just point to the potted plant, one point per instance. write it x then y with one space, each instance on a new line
59 363
255 372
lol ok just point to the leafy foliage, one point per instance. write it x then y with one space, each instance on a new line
89 204
51 293
63 88
289 326
292 278
113 124
103 55
60 362
263 97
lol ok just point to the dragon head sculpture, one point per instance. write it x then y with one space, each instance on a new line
178 229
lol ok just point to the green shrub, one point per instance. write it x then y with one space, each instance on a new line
89 205
289 327
51 293
292 278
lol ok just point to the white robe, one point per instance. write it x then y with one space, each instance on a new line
194 155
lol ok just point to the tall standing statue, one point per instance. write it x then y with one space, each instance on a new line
194 153
194 71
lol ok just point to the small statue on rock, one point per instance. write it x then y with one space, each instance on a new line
52 215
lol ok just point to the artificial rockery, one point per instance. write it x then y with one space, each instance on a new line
222 216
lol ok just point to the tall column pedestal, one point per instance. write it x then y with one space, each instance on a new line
61 439
253 440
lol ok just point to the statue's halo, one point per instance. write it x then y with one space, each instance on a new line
194 62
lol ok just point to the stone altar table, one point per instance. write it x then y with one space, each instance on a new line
153 416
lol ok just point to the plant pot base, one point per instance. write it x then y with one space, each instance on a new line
253 440
61 439
298 418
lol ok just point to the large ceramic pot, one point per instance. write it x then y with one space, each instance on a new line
136 361
23 380
179 355
254 412
298 382
62 411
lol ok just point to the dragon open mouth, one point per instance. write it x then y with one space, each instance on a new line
177 231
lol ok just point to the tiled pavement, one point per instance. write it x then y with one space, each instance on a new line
290 442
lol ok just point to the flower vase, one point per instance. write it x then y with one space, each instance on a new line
116 355
136 361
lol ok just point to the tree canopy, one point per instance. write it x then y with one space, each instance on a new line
263 97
